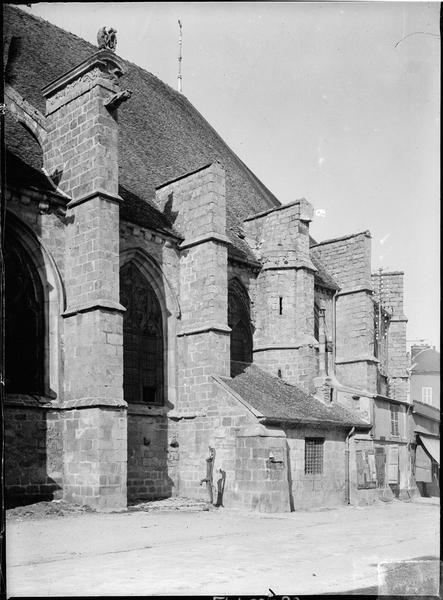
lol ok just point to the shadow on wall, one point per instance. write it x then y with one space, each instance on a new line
26 457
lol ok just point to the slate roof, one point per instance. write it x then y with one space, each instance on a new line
279 401
162 136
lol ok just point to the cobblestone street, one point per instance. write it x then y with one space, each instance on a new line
218 551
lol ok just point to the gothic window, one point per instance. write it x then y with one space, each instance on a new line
24 321
240 323
143 362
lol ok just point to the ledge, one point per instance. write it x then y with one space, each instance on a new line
206 237
204 328
345 361
99 193
305 343
300 202
100 304
94 402
298 264
366 233
356 290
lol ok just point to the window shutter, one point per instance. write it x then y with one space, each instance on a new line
393 465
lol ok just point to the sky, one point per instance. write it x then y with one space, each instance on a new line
335 102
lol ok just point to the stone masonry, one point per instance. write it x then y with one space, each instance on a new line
283 337
81 151
207 247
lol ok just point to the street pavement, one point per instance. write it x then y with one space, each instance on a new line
221 551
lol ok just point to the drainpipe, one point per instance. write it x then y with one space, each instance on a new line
322 342
334 329
348 468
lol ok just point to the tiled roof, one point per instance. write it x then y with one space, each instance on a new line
162 136
277 400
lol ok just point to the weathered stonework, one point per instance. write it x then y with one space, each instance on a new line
283 338
79 438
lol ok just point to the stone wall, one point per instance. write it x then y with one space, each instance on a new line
390 284
33 453
81 148
95 455
151 458
327 488
284 293
348 260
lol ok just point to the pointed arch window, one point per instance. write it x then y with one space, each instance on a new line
24 321
143 344
239 320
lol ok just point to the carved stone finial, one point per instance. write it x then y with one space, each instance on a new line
107 38
114 101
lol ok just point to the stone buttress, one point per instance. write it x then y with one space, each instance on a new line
284 343
81 154
199 202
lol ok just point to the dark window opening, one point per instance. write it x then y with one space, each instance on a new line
239 321
149 394
143 360
280 305
314 456
279 373
316 321
24 321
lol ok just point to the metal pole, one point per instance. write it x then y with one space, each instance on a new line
180 43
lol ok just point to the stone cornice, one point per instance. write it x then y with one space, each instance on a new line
102 68
99 304
356 290
297 264
399 319
92 195
302 203
206 237
204 328
46 200
365 233
295 346
106 58
364 358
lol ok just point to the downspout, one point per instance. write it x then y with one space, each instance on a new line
348 468
334 329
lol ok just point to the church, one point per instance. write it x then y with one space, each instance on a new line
171 328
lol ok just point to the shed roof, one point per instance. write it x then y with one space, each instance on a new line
279 401
162 135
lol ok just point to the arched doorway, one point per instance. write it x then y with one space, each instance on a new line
239 320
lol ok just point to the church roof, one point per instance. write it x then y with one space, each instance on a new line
277 400
162 135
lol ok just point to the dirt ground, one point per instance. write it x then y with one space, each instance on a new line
176 547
